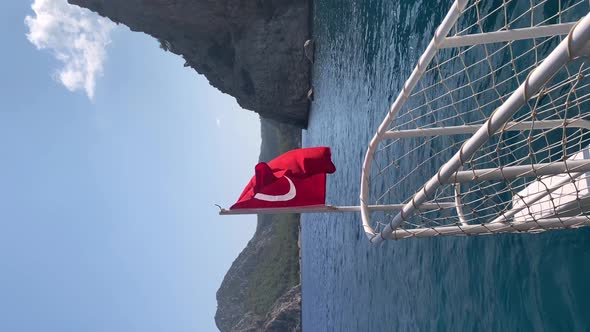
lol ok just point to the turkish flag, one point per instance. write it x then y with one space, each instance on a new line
295 178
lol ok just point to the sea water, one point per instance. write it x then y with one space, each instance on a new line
365 51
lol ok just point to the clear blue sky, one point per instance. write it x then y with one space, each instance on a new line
107 220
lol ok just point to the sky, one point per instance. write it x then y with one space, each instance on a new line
112 156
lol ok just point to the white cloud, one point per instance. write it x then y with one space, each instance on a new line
77 37
218 122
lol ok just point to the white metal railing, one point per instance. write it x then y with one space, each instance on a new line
574 45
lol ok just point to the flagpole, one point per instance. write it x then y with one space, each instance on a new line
330 209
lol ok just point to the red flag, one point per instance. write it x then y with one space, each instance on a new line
295 178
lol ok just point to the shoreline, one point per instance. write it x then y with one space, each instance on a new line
300 261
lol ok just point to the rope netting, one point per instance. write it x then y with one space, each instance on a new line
530 175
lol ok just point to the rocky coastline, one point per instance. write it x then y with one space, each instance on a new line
261 291
252 50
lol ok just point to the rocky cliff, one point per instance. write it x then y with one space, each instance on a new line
252 50
260 291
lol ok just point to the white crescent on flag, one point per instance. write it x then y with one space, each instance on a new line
279 198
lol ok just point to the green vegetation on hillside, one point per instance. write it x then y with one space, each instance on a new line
278 268
269 265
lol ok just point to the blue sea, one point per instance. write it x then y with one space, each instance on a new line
365 51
